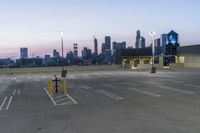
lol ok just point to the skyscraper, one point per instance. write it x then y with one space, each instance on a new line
75 50
95 46
108 42
24 52
140 40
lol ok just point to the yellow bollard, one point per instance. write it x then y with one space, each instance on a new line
64 87
50 87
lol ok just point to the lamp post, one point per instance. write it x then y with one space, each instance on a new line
153 69
61 35
63 71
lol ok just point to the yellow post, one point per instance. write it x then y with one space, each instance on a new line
64 86
50 87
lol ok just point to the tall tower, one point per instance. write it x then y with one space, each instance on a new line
95 45
24 52
108 42
138 37
75 50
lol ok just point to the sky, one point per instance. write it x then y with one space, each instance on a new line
36 23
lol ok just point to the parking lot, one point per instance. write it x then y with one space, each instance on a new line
102 102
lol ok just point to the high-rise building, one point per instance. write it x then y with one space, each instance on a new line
157 42
108 42
116 47
75 50
24 52
95 46
55 54
140 40
86 53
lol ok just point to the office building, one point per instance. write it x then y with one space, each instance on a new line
24 52
75 50
95 46
140 40
55 54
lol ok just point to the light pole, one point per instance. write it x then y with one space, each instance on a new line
153 69
63 71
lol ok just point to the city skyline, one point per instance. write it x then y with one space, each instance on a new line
36 24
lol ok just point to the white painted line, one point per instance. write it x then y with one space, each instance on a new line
66 103
61 100
145 92
58 97
8 105
3 103
14 92
18 92
50 96
177 90
110 95
118 97
85 87
75 102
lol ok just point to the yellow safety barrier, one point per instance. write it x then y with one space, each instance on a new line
50 87
64 86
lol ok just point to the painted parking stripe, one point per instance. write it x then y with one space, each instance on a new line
9 102
170 88
145 92
63 99
111 95
177 90
50 96
14 92
75 102
18 92
2 104
85 87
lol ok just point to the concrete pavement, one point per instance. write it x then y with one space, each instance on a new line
105 102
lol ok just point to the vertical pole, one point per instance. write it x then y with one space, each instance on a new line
56 79
50 87
62 52
64 86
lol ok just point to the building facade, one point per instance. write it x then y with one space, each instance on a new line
24 52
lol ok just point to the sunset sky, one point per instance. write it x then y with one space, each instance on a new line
36 23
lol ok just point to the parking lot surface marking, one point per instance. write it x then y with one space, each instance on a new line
110 95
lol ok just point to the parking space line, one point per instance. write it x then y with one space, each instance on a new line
66 97
8 105
14 91
50 96
145 92
177 90
75 102
85 87
110 95
61 100
18 92
57 97
2 104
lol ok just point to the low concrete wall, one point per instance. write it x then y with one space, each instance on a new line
147 66
192 65
176 65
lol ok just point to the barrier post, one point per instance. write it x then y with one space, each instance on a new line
50 87
64 86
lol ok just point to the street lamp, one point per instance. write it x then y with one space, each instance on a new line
63 72
153 69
